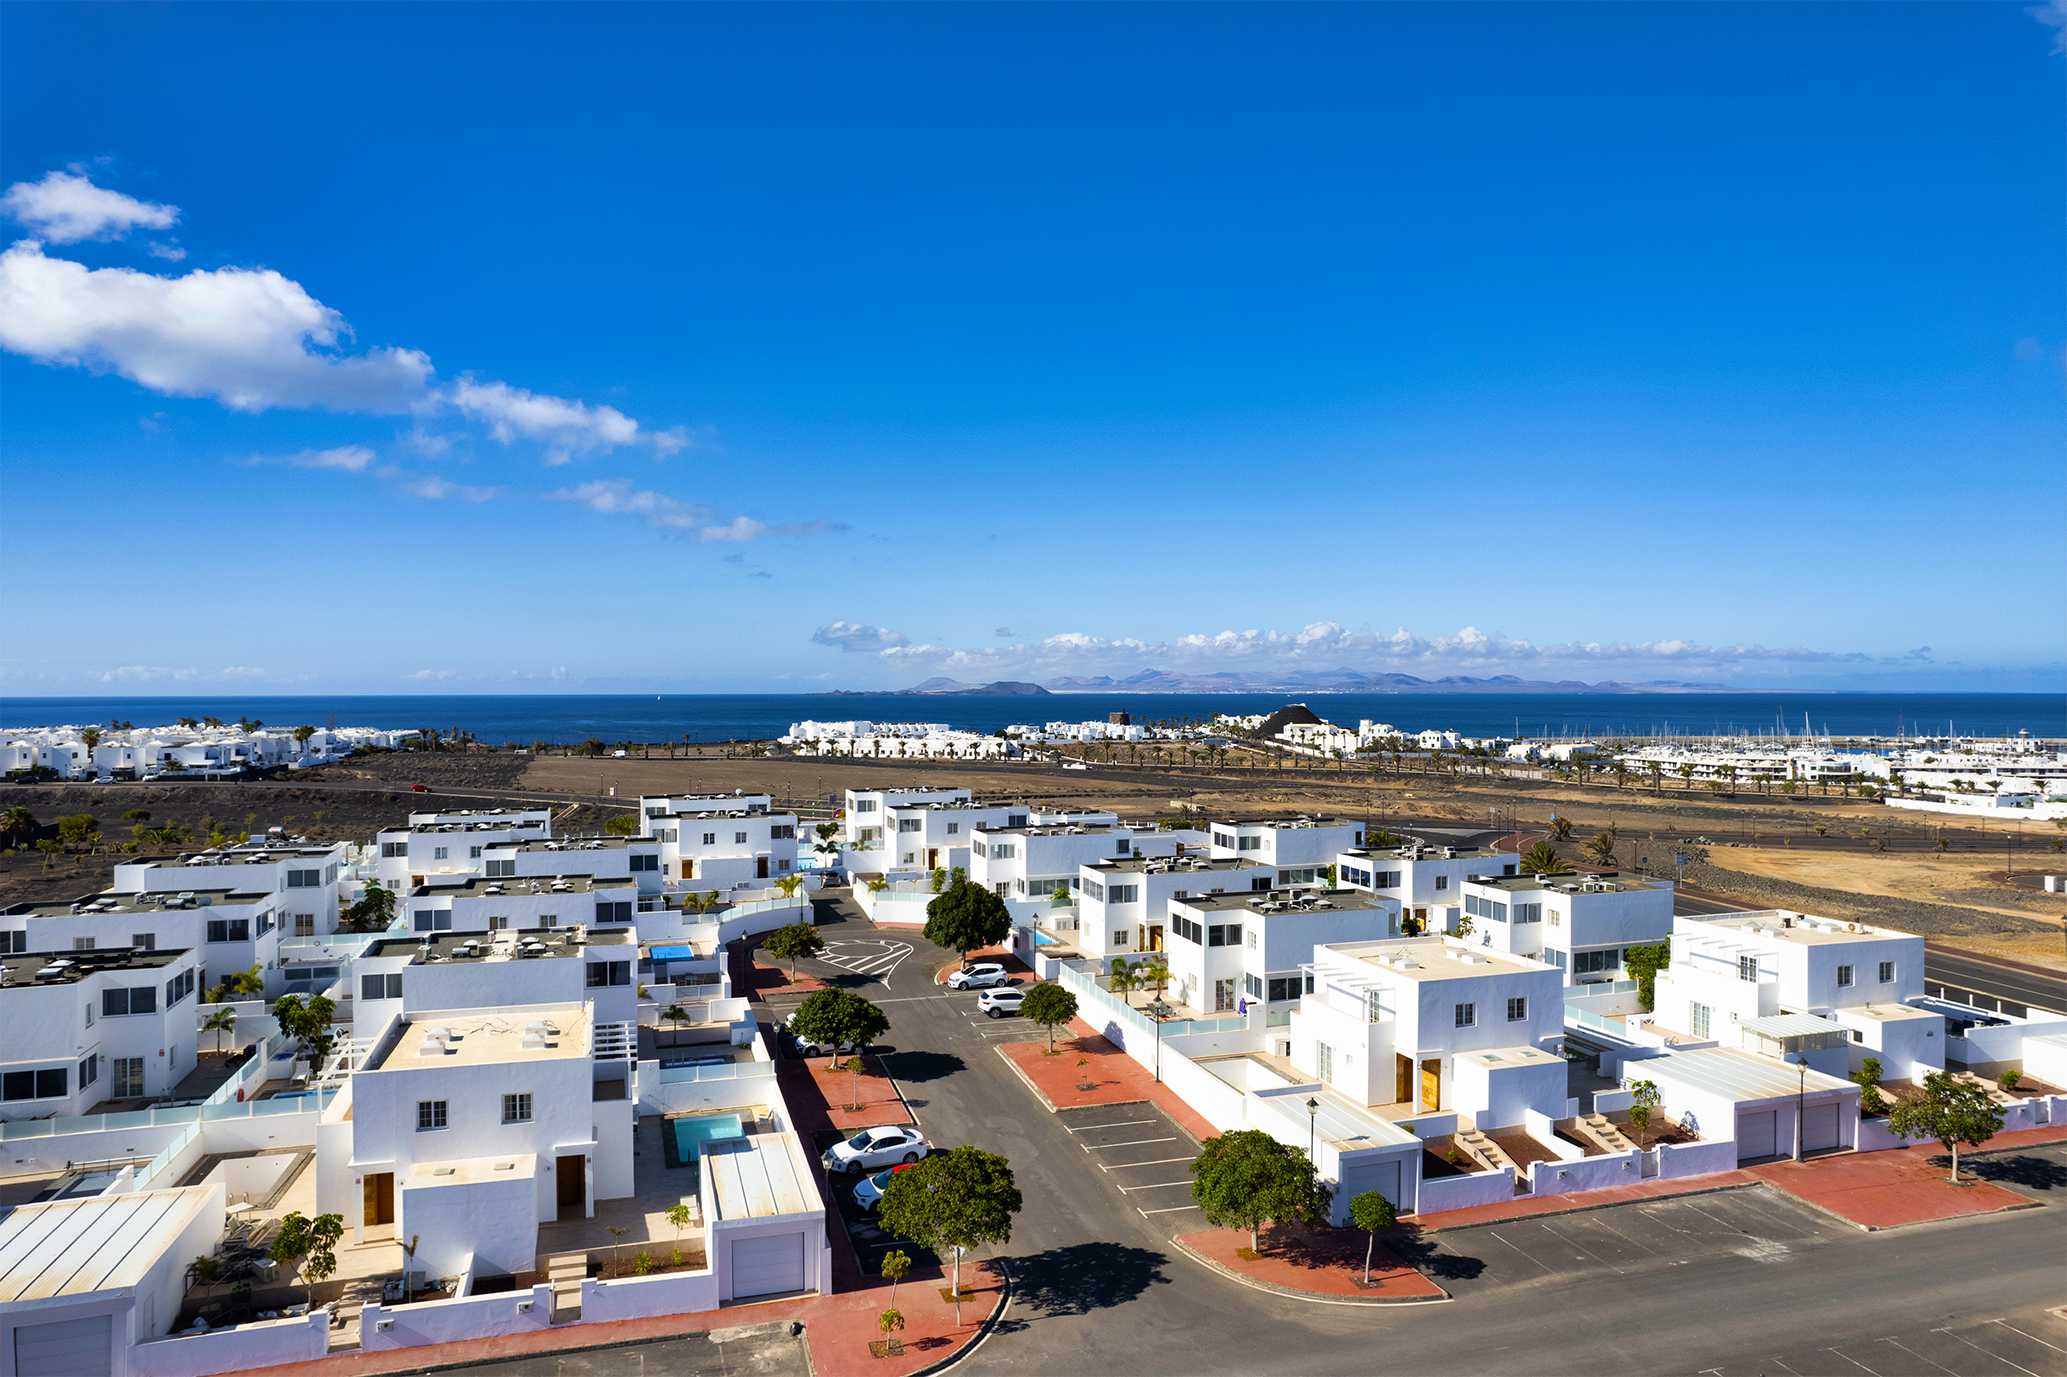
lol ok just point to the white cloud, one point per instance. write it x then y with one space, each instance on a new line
617 497
171 252
2054 15
143 674
565 428
243 672
65 208
349 458
854 636
241 336
435 488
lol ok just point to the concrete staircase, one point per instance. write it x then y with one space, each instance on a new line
1603 1132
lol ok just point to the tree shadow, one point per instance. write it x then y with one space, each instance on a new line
1422 1253
2032 1173
918 1066
1086 1276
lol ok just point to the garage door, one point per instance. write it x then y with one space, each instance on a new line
763 1266
1755 1135
1819 1127
64 1350
1383 1177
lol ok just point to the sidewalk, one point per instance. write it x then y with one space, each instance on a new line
818 1098
1114 1077
1313 1262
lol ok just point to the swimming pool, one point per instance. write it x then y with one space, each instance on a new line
701 1128
1042 939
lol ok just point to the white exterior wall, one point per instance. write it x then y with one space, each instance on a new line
61 1025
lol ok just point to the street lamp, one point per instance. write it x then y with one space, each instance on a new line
1313 1109
1800 1102
1158 1010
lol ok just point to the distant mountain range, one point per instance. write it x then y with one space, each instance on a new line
1323 681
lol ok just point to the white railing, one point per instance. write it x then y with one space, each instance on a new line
617 1041
735 1071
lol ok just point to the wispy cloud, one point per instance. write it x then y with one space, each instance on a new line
2054 15
436 488
859 637
66 208
349 458
617 497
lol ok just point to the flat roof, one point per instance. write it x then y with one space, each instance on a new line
500 945
481 887
507 824
1740 1076
1283 823
1173 865
1790 1026
1429 853
757 1176
461 1171
479 1039
272 855
1344 1125
571 844
1431 958
1802 929
1501 1057
1060 829
1566 882
22 969
1283 901
98 1243
140 901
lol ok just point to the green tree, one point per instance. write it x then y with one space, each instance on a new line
220 1022
967 918
1868 1079
1062 898
681 1216
889 1322
939 880
960 1199
1644 963
372 911
895 1264
1123 977
17 822
622 825
792 942
1372 1213
137 815
1601 847
1643 1098
592 746
1952 1110
835 1017
1541 860
78 829
313 1242
302 735
1246 1177
1051 1006
308 1022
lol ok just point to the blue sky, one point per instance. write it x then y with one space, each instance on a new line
789 347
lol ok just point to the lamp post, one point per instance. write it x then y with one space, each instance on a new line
1313 1109
1158 1010
1800 1102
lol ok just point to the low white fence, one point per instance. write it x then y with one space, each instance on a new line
639 1298
468 1317
902 908
1696 1159
1543 1129
1587 1174
1217 1102
264 1343
1462 1192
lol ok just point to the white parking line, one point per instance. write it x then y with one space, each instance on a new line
2033 1337
1169 1210
1100 1147
1156 1186
1129 1166
1853 1361
1093 1128
1990 1352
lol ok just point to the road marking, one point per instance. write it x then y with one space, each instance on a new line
1989 1351
1914 1354
1776 1360
1155 1186
1124 1123
1518 1249
1100 1147
1555 1233
906 999
1129 1166
1853 1361
1172 1209
2033 1337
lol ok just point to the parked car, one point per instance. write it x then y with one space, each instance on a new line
805 1047
977 977
869 1193
419 788
1002 1001
874 1147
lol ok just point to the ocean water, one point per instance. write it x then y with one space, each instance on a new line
722 717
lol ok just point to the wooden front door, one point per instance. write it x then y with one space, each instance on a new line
1431 1084
760 867
932 858
1403 1078
378 1196
1155 937
572 1185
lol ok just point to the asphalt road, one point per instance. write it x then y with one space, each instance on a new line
1735 1282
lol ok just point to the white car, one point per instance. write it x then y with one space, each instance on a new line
869 1193
1001 1002
874 1147
977 977
807 1048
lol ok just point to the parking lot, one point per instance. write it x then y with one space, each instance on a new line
1143 1155
864 1228
2032 1344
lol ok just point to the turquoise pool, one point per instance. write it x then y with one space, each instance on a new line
701 1128
1042 939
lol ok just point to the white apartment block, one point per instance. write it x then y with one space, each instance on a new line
1731 971
1254 947
1435 1023
402 976
477 904
449 844
936 836
637 859
1581 924
1123 905
1028 863
228 931
1428 880
1300 848
302 879
865 808
115 1023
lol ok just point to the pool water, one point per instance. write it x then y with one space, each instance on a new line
701 1128
1042 939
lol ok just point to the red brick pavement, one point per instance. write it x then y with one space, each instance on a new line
1322 1262
1114 1077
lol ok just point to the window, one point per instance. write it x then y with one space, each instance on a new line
430 1114
434 920
1125 894
787 831
117 1003
516 1109
473 853
1374 1010
605 973
1224 935
14 943
864 805
388 850
1324 1060
1254 985
1442 882
1252 939
1250 844
1123 847
1517 1009
1186 928
710 839
666 834
1119 937
502 870
50 1083
1701 1014
1260 883
439 854
1302 876
953 828
1223 996
229 929
89 1071
178 988
549 920
82 944
265 923
1557 920
1747 968
1308 979
620 912
498 922
640 863
129 1078
1528 913
310 879
1844 975
1591 962
1385 879
739 838
380 986
1467 1015
1281 987
1887 971
144 941
910 824
1095 890
1002 851
304 925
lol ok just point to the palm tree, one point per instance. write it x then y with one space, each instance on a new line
1125 978
220 1022
17 822
1560 829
